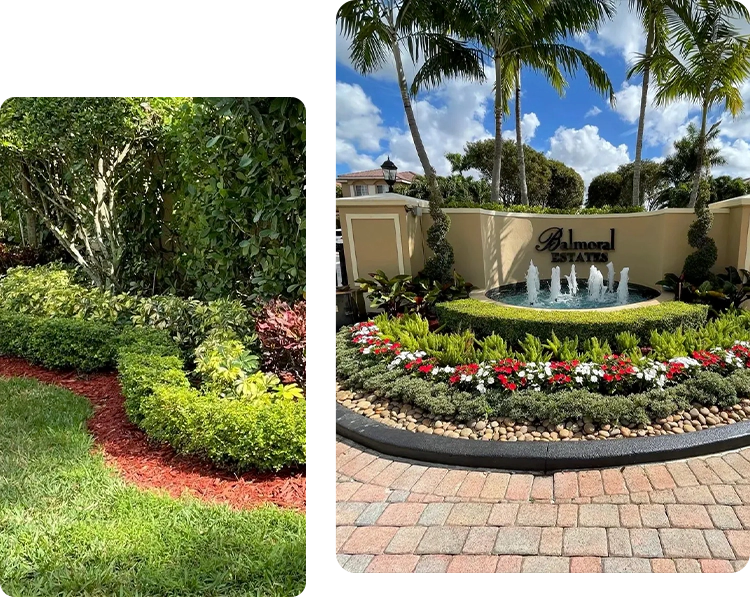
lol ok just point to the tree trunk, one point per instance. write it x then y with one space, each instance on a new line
701 154
519 143
642 116
429 172
498 132
32 224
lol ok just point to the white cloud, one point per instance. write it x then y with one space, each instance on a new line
529 124
358 119
737 155
623 34
585 151
593 111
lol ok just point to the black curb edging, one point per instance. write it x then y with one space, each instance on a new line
537 456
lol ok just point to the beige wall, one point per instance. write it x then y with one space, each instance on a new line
494 248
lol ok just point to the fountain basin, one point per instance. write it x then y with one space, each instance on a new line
515 295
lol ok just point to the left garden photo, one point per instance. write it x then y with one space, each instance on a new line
152 347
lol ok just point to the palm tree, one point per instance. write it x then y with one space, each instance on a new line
515 33
653 15
704 60
379 29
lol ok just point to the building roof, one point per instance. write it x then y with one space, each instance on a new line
405 176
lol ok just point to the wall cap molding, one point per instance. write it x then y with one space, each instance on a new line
381 200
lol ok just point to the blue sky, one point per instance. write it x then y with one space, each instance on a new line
580 128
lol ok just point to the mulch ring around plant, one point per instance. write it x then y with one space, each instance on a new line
157 466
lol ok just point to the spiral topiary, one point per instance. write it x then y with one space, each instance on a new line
440 266
698 264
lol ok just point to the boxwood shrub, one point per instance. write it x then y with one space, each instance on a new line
513 323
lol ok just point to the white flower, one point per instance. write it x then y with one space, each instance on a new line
579 379
594 379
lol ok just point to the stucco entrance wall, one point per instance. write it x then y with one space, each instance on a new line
492 248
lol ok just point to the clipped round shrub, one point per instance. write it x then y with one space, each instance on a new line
708 388
662 403
67 343
15 331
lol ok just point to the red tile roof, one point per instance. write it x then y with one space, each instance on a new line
406 176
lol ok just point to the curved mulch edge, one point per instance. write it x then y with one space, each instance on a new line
537 456
157 466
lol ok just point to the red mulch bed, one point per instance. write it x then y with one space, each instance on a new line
157 466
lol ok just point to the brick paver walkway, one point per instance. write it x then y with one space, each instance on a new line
401 516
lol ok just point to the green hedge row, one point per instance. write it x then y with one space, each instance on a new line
265 434
513 323
707 388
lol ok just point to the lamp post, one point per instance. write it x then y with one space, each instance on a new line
389 173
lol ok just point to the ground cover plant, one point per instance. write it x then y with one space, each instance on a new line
94 535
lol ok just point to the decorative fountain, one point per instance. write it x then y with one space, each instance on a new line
549 294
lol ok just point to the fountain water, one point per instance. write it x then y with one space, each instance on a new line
622 289
554 287
532 283
572 282
596 284
610 277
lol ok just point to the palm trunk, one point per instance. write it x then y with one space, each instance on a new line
701 154
642 117
412 122
498 133
519 143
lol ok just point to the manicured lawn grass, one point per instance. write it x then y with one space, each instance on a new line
69 526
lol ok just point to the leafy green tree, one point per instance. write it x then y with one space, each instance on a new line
531 33
79 164
605 189
566 187
239 207
726 187
379 29
651 183
452 188
705 61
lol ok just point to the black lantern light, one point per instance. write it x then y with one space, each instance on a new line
389 173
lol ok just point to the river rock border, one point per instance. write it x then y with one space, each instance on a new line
404 437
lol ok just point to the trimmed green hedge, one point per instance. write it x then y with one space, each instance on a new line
513 323
58 342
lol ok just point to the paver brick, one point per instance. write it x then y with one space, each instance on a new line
372 470
357 563
691 516
725 494
716 566
435 514
369 540
370 514
393 563
472 485
703 472
663 565
614 482
469 514
446 540
356 464
682 475
654 516
636 479
551 541
659 476
537 515
451 482
662 496
390 473
545 564
342 534
429 480
481 540
464 563
405 540
724 517
542 488
567 515
401 515
346 489
725 472
579 541
718 544
348 512
370 493
688 566
598 515
630 515
495 486
740 542
408 478
626 565
619 542
518 540
738 463
509 564
565 485
503 515
519 487
645 543
743 514
700 494
684 543
433 563
590 483
585 564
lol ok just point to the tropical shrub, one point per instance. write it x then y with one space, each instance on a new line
281 329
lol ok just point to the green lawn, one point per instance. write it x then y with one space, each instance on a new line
69 526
